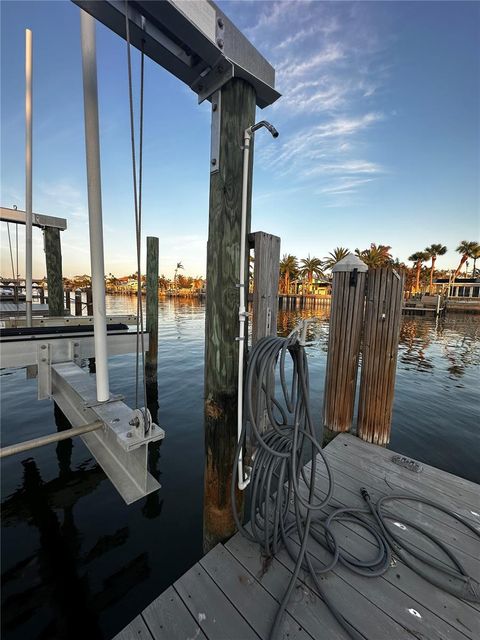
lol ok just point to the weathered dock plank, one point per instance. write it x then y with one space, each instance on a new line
216 615
233 592
168 617
136 630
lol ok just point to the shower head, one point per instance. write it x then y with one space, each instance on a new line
267 125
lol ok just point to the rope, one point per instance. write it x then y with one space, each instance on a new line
137 194
297 516
11 252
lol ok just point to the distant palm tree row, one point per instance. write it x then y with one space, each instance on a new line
375 256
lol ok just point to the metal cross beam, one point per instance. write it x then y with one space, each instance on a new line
16 216
120 448
195 41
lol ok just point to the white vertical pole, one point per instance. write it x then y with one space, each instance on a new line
92 147
242 312
28 176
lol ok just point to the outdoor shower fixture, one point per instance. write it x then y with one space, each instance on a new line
259 125
242 312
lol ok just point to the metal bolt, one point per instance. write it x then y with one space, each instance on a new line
220 42
44 346
75 355
129 434
44 359
220 22
75 344
214 161
214 106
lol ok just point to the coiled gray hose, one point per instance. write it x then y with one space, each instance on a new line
277 468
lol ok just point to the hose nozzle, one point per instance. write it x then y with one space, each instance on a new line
267 125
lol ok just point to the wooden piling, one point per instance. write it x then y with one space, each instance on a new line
53 259
236 112
152 312
67 301
265 297
89 301
265 284
78 303
345 330
379 354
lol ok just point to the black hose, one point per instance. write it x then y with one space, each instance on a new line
282 506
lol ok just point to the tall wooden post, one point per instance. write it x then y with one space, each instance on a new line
53 259
265 284
266 274
233 113
67 301
89 297
152 311
383 314
78 303
346 319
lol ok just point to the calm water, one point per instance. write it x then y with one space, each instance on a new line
77 562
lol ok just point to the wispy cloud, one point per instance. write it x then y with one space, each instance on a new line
330 69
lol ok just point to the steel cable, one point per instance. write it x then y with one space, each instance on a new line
137 194
288 508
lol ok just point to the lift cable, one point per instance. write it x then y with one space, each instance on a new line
11 252
137 194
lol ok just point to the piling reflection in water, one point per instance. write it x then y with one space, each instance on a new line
77 562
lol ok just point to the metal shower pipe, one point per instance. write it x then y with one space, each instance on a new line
242 311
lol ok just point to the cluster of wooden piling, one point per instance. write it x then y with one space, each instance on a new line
365 319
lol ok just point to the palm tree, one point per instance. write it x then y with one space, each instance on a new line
288 269
376 256
465 248
311 267
197 283
432 252
475 255
418 258
339 253
179 266
163 282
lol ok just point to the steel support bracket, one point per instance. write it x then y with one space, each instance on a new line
215 132
121 450
44 373
213 79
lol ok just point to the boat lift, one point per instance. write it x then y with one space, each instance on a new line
198 44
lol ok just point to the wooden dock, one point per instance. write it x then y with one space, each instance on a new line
232 593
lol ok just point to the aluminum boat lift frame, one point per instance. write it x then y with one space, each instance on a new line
198 44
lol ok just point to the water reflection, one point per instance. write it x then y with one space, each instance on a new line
60 568
415 338
458 342
78 562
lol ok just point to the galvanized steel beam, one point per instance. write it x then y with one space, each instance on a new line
195 41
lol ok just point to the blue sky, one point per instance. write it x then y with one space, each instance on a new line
379 132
